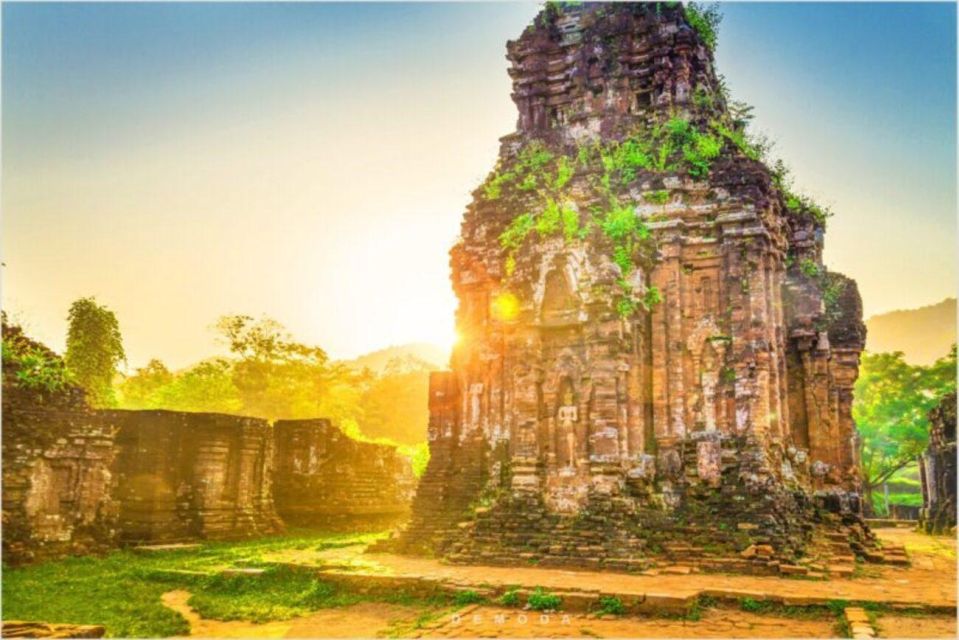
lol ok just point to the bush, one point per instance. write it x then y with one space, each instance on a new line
542 600
510 598
705 20
611 605
753 606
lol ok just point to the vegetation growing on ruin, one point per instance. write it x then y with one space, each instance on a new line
611 605
30 364
536 180
705 20
541 176
467 597
542 600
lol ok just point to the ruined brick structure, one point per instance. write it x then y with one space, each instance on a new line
77 480
937 469
57 480
186 476
57 459
616 395
325 477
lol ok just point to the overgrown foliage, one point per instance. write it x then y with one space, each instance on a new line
705 20
611 605
542 600
891 410
30 364
94 350
539 179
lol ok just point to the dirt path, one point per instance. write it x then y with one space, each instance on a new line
484 622
366 619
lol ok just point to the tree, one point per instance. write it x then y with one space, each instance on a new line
94 349
395 404
891 410
206 386
279 378
142 389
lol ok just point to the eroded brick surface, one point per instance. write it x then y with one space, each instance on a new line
573 430
938 469
325 477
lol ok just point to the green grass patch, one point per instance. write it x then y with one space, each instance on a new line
122 590
463 598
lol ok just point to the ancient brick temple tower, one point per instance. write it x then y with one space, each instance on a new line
652 350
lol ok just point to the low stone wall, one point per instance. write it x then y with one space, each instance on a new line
182 476
77 480
324 477
57 482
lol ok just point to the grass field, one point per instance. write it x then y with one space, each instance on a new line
122 590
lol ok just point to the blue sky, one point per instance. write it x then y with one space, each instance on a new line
312 161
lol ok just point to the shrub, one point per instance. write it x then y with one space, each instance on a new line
809 268
510 598
611 605
657 197
542 600
753 606
705 20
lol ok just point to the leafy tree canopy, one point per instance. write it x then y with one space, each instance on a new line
891 410
271 375
94 349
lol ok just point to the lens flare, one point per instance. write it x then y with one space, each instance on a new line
505 307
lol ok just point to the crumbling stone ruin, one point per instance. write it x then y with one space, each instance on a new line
654 361
57 457
325 477
77 480
937 470
186 476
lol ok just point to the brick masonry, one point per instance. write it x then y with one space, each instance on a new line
568 433
79 481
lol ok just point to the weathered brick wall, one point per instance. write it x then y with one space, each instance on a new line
57 480
183 476
938 469
324 477
77 480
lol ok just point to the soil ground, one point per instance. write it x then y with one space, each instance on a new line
486 622
930 580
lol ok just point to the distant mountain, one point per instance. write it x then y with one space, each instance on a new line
923 335
433 356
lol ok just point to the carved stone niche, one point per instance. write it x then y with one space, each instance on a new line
560 305
707 349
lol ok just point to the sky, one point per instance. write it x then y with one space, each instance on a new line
312 162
